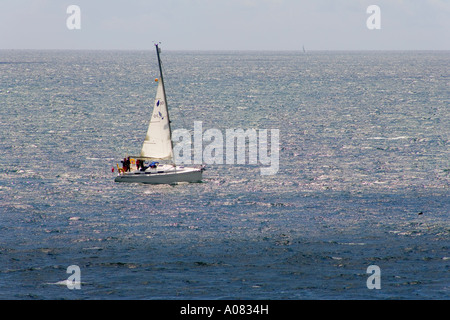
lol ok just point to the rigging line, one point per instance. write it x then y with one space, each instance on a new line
163 69
179 109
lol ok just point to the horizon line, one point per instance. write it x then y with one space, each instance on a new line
217 50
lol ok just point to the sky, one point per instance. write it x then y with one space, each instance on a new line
225 24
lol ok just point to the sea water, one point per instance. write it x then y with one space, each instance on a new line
363 177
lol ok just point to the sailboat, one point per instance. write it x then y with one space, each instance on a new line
157 147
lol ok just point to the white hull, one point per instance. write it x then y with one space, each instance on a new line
162 175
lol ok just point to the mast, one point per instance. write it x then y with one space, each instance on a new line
165 98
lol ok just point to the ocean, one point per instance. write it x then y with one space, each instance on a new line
363 177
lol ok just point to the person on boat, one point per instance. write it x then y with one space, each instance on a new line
138 164
128 164
143 167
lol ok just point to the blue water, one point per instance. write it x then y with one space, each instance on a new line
363 179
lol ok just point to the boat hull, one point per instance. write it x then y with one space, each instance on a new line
171 177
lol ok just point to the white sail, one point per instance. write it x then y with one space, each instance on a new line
157 144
